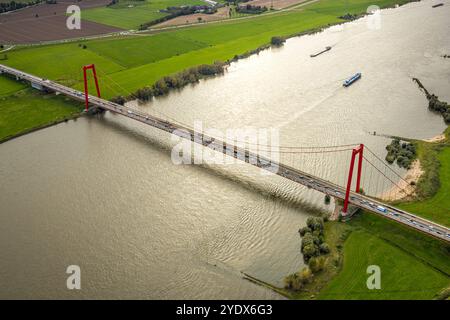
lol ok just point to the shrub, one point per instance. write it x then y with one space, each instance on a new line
277 41
119 100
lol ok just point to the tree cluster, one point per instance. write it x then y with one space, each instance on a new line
177 81
251 9
313 249
11 6
403 152
313 244
348 16
434 104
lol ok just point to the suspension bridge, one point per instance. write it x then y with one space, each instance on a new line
359 154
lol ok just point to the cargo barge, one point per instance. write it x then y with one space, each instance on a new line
352 80
319 53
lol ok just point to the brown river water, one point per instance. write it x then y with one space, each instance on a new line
103 193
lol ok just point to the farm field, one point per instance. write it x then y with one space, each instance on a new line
144 50
131 14
402 275
47 22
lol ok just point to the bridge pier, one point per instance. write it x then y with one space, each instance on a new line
338 211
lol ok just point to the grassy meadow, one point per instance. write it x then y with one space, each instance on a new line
9 86
131 14
403 276
29 109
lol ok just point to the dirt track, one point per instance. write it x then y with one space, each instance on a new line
23 26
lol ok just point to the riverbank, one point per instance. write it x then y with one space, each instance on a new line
27 111
433 187
416 268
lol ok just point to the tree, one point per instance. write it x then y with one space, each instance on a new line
315 223
324 248
316 264
277 41
309 251
304 231
199 19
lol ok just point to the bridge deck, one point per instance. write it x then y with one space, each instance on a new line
303 178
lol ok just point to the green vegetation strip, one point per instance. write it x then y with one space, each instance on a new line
433 187
29 110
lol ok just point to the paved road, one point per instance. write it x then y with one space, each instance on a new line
303 178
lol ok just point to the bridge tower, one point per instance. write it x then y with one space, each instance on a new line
355 152
86 90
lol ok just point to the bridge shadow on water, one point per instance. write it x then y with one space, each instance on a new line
285 194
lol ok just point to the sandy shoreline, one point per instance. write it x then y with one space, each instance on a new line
412 176
437 138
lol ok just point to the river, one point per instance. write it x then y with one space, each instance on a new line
103 193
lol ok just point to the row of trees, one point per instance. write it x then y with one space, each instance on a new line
11 6
314 249
179 11
403 152
177 81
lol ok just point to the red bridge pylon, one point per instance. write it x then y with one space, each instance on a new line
357 151
86 91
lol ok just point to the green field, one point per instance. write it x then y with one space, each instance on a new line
413 265
143 50
436 207
403 276
8 86
131 14
30 109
